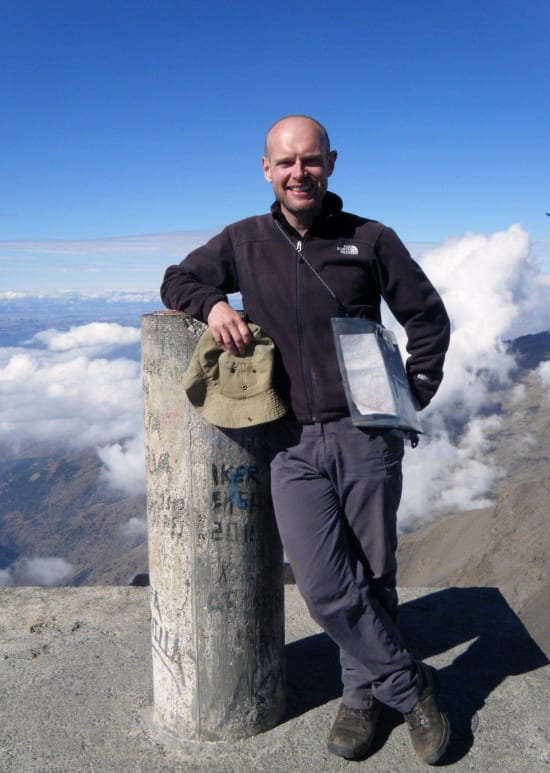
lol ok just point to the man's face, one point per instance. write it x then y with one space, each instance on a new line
298 166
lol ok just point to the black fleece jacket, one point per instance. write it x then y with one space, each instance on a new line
360 260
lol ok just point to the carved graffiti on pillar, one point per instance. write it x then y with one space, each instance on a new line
163 463
232 531
240 477
236 488
225 474
248 501
223 575
165 643
152 422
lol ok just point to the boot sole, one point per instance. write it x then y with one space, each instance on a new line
349 754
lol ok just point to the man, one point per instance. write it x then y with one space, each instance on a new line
336 487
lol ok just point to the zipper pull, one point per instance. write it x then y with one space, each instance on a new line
299 246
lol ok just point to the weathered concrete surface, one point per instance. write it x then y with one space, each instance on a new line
215 558
76 687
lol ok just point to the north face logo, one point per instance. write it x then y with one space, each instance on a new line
347 249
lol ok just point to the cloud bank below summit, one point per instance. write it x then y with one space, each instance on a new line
72 388
493 290
69 389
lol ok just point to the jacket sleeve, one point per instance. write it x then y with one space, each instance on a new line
416 304
202 279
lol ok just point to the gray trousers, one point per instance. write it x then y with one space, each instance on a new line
336 489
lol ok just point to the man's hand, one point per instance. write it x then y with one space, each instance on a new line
229 329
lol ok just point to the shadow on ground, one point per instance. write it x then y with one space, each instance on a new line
491 642
312 674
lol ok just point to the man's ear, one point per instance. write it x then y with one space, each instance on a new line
267 169
332 156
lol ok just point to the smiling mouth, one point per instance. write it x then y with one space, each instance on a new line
302 190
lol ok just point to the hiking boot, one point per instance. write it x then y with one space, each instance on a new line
428 727
352 732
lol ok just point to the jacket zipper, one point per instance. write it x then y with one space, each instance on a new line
306 371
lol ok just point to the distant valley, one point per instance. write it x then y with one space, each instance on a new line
52 504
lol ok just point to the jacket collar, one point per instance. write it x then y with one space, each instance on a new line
332 205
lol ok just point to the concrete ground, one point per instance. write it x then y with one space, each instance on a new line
76 688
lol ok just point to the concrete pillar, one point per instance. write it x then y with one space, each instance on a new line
215 559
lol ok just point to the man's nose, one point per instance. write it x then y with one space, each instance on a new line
299 170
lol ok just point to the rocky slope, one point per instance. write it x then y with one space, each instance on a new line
52 504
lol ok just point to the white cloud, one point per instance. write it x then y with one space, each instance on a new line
42 571
78 401
96 334
518 393
124 464
74 398
134 530
543 373
491 288
443 476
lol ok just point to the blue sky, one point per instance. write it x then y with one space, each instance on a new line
124 118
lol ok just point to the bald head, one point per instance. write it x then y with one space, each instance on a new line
298 162
290 122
